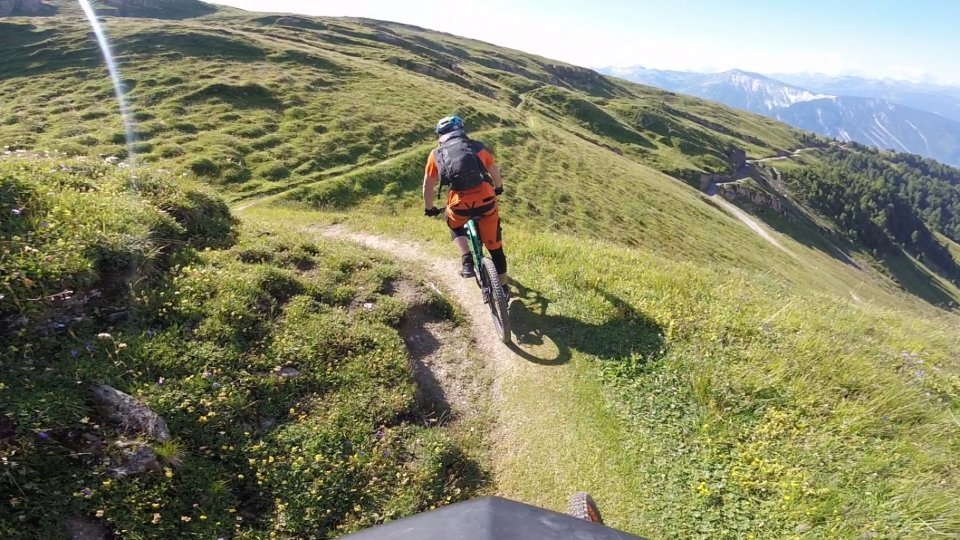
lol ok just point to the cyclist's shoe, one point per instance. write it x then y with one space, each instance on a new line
467 269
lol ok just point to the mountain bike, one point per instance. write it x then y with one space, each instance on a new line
488 280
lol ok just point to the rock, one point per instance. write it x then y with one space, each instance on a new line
130 413
802 528
579 78
84 528
118 316
288 372
139 462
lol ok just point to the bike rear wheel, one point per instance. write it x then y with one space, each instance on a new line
498 301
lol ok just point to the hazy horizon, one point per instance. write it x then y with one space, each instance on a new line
871 39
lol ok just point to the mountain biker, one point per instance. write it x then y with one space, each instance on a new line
474 179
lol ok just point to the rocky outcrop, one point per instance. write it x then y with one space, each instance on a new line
583 79
443 70
739 192
517 70
438 70
20 7
131 414
392 39
300 22
575 75
737 158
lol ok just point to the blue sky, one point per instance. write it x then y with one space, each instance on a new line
914 40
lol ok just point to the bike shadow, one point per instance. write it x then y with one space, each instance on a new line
548 339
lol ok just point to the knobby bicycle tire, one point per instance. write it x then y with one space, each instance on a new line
581 506
499 304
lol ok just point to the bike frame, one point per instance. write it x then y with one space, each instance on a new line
476 250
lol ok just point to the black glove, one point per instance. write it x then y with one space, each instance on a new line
498 191
430 212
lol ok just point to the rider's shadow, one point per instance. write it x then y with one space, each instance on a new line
547 339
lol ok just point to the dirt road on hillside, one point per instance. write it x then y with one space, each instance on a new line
748 220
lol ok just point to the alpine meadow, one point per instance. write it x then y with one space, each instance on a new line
723 327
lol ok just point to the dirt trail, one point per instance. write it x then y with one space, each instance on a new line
500 359
549 424
449 388
795 153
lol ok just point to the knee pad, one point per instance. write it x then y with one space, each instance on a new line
458 232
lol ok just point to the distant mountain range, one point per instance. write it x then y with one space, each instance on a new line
921 119
938 99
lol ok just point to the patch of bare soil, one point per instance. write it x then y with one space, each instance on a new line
442 353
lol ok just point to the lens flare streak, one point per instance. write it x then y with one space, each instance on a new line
114 76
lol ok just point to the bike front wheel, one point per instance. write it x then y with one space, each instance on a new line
581 506
498 301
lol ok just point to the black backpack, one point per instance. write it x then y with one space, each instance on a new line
459 165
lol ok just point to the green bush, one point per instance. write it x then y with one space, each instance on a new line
170 150
274 171
204 167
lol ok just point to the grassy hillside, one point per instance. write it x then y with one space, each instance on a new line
291 408
718 386
288 101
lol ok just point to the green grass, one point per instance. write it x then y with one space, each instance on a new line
700 382
289 96
711 402
169 302
951 245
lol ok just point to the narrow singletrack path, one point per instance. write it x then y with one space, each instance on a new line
501 359
553 433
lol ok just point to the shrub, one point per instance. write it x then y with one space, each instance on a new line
274 171
204 167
